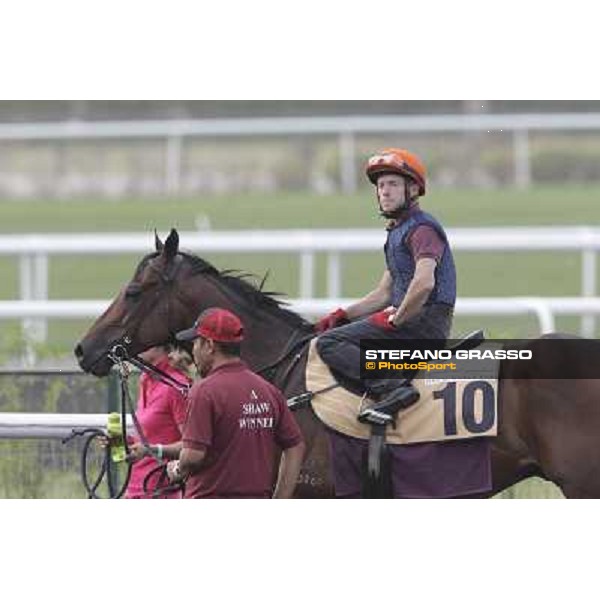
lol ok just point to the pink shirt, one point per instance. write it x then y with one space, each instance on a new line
161 412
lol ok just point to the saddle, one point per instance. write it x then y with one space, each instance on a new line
338 407
423 422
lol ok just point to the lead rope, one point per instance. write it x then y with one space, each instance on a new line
119 355
159 374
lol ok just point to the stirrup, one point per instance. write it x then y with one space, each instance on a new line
371 416
400 398
296 402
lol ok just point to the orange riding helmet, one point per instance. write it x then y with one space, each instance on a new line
397 160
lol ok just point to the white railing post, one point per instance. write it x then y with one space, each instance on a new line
334 275
173 165
27 291
26 288
33 285
588 288
347 151
544 314
522 162
25 277
307 274
40 292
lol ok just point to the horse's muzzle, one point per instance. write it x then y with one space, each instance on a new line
92 361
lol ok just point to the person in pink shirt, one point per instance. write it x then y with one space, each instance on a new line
161 412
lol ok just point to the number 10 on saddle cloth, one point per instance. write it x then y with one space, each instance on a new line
448 409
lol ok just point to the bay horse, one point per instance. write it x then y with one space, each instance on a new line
547 427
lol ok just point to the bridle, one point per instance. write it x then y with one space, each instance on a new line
118 354
167 278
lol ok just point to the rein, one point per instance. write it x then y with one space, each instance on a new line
106 469
295 402
294 343
120 353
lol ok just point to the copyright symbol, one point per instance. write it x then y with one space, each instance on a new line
370 365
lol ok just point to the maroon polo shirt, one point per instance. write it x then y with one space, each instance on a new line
424 241
241 420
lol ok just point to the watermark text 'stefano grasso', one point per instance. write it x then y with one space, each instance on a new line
381 359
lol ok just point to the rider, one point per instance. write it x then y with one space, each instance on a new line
418 286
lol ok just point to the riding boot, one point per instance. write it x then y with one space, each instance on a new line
391 396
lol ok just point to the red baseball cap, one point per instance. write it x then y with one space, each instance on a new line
216 324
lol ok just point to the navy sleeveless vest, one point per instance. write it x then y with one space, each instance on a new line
401 264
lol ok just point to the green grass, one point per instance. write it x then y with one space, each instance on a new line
572 205
492 274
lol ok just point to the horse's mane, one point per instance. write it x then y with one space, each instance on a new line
237 283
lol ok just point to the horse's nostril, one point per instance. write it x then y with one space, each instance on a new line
78 351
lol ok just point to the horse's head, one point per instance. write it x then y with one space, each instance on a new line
166 294
145 313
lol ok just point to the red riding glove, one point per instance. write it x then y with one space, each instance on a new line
338 317
381 319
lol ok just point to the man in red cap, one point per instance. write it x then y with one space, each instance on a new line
236 421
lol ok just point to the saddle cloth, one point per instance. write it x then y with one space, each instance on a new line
446 410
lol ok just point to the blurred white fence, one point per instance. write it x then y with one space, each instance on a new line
50 425
543 308
34 251
346 128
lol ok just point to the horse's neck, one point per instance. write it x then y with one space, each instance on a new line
268 335
270 341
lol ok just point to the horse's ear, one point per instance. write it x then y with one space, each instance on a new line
171 244
157 243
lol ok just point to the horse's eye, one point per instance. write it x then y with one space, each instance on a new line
133 290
